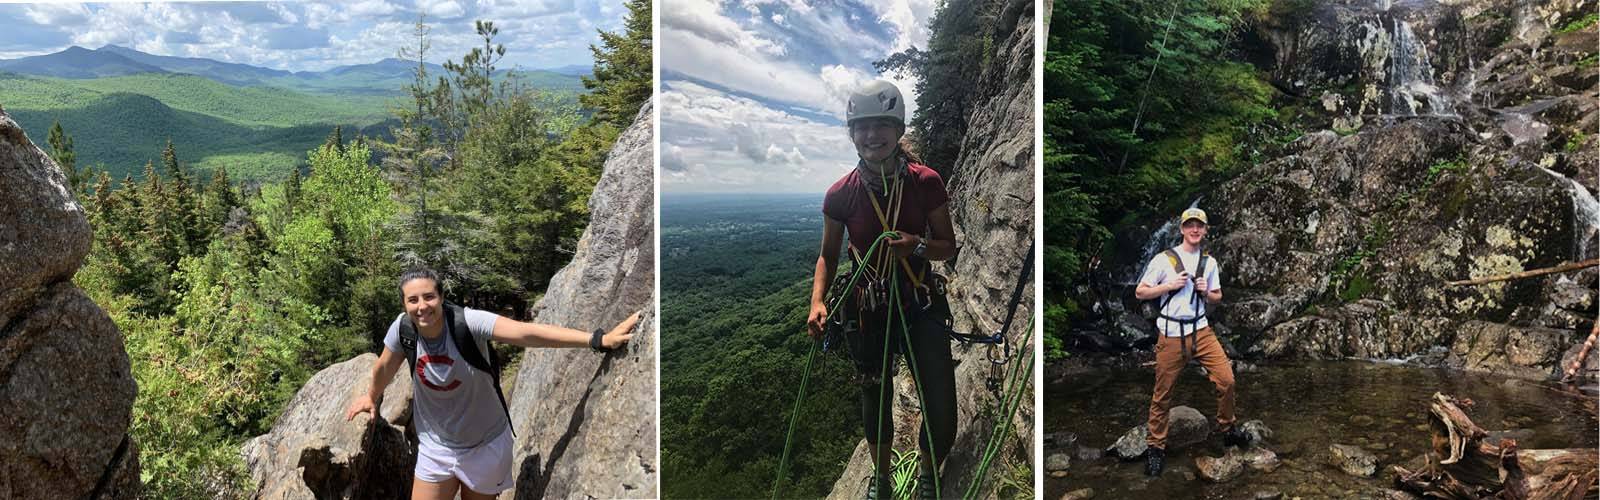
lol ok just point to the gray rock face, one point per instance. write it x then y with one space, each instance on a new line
312 452
1186 426
991 188
585 422
1459 168
65 384
1353 460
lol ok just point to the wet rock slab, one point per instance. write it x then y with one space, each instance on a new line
1187 426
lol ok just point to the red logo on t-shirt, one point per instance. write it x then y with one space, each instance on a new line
423 376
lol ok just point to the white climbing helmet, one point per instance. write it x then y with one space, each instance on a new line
878 98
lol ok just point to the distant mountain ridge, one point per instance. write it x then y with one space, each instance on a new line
385 75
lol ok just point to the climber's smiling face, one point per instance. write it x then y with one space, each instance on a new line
876 139
423 304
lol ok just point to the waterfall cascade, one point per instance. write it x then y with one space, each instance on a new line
1411 86
1585 216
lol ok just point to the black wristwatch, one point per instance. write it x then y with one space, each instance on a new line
594 341
922 246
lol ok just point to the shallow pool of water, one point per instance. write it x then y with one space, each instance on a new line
1380 407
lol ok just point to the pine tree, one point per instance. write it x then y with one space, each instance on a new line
219 200
184 202
61 151
291 192
622 79
336 138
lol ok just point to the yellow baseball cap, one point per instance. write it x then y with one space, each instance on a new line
1193 213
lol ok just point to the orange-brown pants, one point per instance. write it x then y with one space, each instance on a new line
1170 361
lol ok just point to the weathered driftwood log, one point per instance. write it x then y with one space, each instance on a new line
1461 465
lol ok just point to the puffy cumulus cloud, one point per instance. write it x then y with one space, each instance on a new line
315 35
703 19
59 14
494 9
712 140
441 9
909 19
785 50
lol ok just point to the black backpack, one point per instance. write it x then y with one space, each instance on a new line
455 320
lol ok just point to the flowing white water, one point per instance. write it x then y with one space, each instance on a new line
1585 216
1163 238
1411 84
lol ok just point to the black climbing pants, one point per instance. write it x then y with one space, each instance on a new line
930 361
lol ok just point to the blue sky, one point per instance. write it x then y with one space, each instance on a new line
313 35
752 92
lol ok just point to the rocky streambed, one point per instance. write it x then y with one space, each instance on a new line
1332 429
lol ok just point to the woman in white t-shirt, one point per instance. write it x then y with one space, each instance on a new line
463 428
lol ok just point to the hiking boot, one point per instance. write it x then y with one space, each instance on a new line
925 490
1235 437
1154 461
872 489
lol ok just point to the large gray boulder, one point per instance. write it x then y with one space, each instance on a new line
991 190
1341 245
585 422
313 452
65 384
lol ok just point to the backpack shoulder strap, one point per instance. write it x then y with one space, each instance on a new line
1172 257
478 354
467 344
408 341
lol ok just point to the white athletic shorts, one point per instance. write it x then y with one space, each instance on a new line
484 469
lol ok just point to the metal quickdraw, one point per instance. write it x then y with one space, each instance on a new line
999 337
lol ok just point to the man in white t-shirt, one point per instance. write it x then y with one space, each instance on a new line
1173 277
464 444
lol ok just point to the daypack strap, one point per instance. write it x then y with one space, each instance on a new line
1177 267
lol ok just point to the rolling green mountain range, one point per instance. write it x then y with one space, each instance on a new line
121 106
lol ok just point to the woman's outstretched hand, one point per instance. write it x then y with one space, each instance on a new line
816 321
362 404
621 334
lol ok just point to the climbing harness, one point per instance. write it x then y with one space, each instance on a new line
1188 343
881 290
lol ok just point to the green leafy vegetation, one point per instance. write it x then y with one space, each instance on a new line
1144 111
1575 142
231 295
1578 24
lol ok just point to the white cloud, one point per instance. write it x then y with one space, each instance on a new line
713 141
369 8
57 14
909 19
441 9
702 19
497 9
290 35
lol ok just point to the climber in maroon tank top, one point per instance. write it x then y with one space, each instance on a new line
890 308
